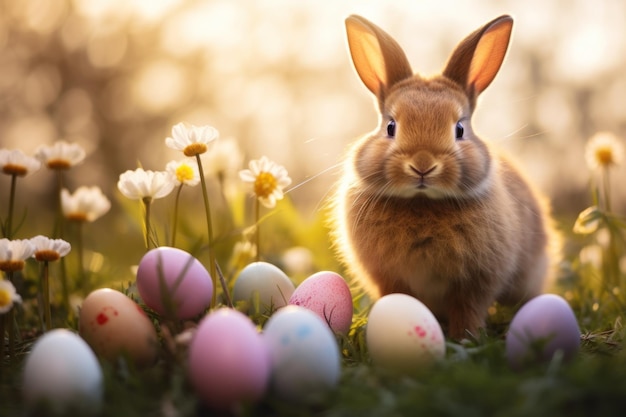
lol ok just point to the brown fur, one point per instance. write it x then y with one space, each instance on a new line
476 231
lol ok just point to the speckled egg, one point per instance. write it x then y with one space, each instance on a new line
305 357
264 285
62 371
543 326
228 360
114 325
327 294
187 283
403 335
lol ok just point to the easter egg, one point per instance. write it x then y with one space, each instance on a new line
174 283
328 295
544 325
403 335
264 285
114 325
62 374
305 357
228 360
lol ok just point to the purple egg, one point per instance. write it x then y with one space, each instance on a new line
174 283
543 326
229 362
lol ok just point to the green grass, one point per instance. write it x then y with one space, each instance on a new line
474 379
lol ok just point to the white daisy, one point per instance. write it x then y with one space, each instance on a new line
13 253
191 140
268 180
86 204
16 162
49 250
8 296
140 184
603 150
61 155
185 171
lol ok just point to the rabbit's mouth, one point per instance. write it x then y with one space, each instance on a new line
421 185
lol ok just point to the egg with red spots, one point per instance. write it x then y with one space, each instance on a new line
174 283
115 326
543 326
326 294
403 335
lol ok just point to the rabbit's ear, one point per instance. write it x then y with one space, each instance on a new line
377 57
477 59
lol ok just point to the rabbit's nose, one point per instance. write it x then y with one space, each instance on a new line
423 172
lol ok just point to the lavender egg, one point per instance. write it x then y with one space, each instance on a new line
187 283
543 326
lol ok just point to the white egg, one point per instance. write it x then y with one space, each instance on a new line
403 335
63 372
305 357
543 326
265 284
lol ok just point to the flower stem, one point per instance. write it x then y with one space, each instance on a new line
207 209
257 212
175 220
61 233
8 233
3 319
46 297
229 301
10 319
147 202
81 256
606 189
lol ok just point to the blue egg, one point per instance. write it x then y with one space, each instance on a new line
305 357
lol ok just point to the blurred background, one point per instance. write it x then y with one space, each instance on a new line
116 75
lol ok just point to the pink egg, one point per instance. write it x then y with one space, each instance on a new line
187 283
328 295
229 362
544 325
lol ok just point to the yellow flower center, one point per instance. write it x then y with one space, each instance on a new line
11 266
264 185
47 255
194 149
184 173
604 156
5 298
59 164
12 169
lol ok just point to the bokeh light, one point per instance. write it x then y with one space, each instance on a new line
115 75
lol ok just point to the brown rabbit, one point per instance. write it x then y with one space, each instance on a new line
424 206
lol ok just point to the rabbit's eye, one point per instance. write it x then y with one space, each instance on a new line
391 128
459 130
